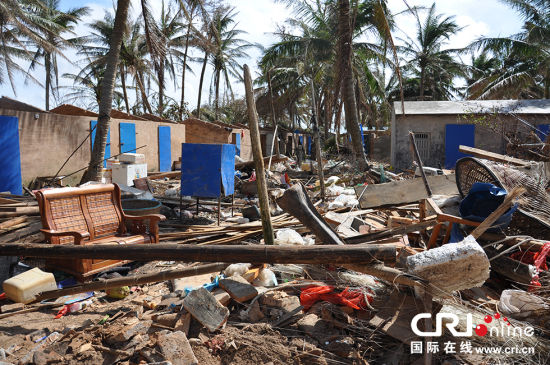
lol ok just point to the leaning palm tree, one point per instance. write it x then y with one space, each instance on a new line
227 49
525 56
59 23
108 84
433 65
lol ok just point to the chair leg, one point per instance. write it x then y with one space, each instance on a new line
434 236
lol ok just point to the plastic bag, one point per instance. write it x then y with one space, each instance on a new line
288 236
520 304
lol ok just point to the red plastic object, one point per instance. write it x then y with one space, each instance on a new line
537 259
3 296
62 312
355 299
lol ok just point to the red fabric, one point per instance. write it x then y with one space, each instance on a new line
537 259
354 299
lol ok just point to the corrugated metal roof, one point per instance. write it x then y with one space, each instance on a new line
535 106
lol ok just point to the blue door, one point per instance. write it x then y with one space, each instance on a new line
10 159
165 149
542 131
237 144
93 125
127 137
456 135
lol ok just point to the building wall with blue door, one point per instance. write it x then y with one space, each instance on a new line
433 129
47 139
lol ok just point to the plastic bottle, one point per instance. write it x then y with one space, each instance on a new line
75 307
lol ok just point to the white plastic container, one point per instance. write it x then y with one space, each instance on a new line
132 158
126 173
24 288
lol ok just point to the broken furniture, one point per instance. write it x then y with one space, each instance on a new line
90 215
207 171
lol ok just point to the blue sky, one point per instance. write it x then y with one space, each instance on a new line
260 18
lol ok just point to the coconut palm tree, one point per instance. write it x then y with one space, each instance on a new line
170 28
59 23
108 83
428 60
227 49
525 56
20 22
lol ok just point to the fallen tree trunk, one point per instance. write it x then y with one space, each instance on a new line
296 203
327 254
132 280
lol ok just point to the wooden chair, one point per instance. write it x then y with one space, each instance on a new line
91 215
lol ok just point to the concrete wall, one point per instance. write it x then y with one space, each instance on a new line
48 140
488 134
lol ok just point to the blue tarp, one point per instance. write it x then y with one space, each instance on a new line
10 159
205 168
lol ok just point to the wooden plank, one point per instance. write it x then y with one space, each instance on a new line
404 191
497 157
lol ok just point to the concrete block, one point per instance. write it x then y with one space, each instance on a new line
176 348
238 288
204 307
451 267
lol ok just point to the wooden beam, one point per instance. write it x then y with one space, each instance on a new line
404 191
493 156
132 280
326 254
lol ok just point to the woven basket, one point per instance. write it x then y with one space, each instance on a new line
535 203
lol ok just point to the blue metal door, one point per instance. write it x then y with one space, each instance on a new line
93 125
165 149
456 135
10 159
127 137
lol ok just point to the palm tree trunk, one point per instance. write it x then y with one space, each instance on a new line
124 91
48 67
352 121
200 84
141 84
421 85
182 102
161 87
217 101
107 88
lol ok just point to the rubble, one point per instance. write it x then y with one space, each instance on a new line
180 312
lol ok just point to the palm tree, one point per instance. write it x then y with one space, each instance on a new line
18 23
227 49
435 67
525 56
189 10
58 23
170 28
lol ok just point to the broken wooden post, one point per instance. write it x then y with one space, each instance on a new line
317 144
333 254
258 158
132 280
296 202
420 165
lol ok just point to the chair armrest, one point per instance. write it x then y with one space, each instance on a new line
79 236
150 217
